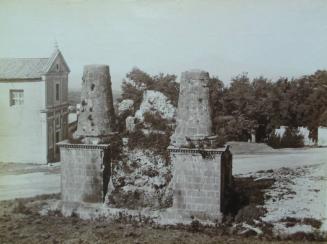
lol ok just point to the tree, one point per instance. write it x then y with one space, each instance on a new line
216 95
166 84
238 102
316 102
262 108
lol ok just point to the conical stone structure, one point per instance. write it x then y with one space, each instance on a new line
97 118
193 112
201 171
86 162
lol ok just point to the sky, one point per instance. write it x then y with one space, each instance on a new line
224 37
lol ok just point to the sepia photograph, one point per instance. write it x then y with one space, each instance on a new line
163 121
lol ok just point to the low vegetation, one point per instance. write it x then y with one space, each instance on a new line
156 142
290 139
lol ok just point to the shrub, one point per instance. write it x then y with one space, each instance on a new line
156 121
274 141
290 139
158 143
233 128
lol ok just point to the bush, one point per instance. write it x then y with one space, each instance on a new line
129 91
233 128
290 139
156 121
274 141
158 143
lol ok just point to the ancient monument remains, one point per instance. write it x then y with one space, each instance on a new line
85 160
201 171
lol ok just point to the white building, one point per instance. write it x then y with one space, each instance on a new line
34 108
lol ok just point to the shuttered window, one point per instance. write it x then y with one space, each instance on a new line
16 97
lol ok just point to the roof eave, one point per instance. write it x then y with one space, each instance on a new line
19 79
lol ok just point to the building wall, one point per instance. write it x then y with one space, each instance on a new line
322 136
57 109
23 129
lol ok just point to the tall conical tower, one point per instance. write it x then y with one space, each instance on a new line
201 172
86 161
96 121
193 112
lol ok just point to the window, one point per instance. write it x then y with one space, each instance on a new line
57 92
16 97
57 136
57 121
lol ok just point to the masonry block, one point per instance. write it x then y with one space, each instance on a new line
85 172
197 182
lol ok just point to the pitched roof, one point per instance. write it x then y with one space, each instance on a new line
22 68
26 68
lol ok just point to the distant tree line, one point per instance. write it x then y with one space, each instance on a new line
245 106
259 106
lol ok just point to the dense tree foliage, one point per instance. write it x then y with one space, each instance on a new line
247 106
259 106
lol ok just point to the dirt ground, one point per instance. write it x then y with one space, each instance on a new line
20 222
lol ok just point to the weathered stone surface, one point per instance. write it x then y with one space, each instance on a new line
155 102
130 123
85 163
97 118
197 183
85 172
125 105
193 112
201 174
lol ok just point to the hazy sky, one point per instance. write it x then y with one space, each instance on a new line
272 38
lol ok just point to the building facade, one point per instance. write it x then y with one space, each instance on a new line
34 108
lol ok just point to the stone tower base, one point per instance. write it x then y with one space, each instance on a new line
85 172
198 185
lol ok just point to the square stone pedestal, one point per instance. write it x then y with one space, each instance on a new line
199 181
85 173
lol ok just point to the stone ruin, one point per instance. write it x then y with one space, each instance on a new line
193 115
96 121
201 171
85 160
